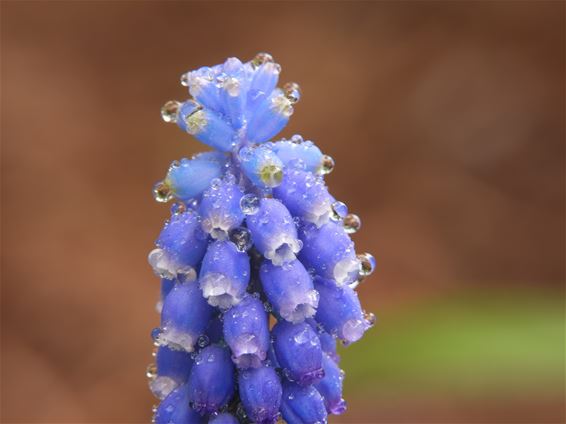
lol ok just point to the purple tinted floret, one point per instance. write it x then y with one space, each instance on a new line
298 352
246 331
289 289
260 391
302 405
211 383
329 252
330 387
224 274
273 231
252 219
184 317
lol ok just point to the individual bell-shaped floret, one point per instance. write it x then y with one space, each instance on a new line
305 195
202 86
269 117
327 341
329 252
224 418
175 409
180 247
188 178
330 387
289 289
298 352
263 83
224 274
246 331
260 392
233 91
211 383
261 165
339 311
302 405
299 154
220 207
206 125
184 317
274 233
173 368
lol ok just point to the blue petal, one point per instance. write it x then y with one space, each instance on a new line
184 318
224 274
202 86
262 166
189 178
327 341
273 232
214 330
260 391
211 383
173 368
289 289
302 405
234 91
298 352
302 155
339 311
330 387
220 207
246 331
329 252
263 83
175 409
269 117
305 195
206 126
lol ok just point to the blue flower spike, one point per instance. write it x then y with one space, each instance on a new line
254 237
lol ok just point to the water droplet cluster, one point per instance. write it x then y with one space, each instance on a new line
256 262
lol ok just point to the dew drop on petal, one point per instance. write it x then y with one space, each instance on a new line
352 223
367 264
292 91
339 211
261 58
169 111
327 165
162 192
151 371
241 237
249 204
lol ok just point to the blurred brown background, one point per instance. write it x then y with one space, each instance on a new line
446 120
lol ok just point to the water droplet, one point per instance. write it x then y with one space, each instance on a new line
178 208
249 204
292 92
151 371
155 333
154 408
339 210
367 264
162 192
370 318
352 223
297 139
327 165
169 111
175 164
241 237
203 341
261 58
271 175
185 80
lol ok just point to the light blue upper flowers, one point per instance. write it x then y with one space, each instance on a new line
254 241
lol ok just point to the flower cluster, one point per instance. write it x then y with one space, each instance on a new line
257 267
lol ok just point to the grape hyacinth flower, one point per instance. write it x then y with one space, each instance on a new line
254 237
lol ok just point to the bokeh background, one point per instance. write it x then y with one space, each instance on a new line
446 120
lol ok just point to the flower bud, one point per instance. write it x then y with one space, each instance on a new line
330 387
260 391
174 409
302 405
220 208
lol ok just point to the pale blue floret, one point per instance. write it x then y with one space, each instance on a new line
269 117
339 311
188 178
211 383
220 207
302 405
184 317
330 387
261 165
298 352
224 274
234 90
274 232
301 155
289 289
263 83
305 195
173 369
246 331
329 252
260 391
